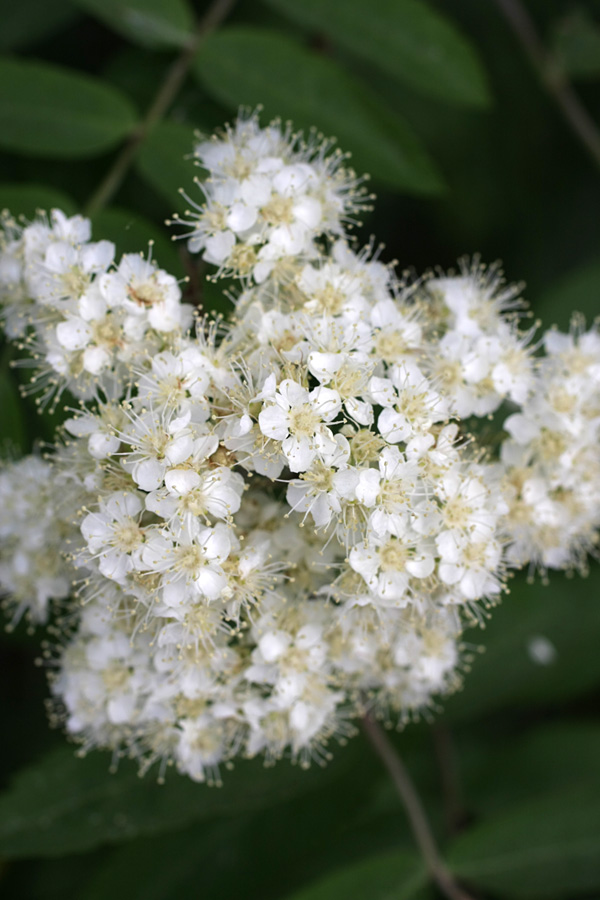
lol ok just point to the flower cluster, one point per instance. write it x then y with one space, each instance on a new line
278 523
268 196
33 537
552 456
86 321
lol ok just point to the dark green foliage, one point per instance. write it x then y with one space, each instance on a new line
51 111
407 39
151 23
253 66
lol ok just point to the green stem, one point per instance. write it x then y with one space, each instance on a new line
552 75
164 97
415 812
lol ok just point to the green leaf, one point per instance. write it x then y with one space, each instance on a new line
577 291
46 110
407 39
131 233
66 805
29 21
27 199
577 44
151 23
514 769
566 614
397 875
137 73
228 853
548 847
165 162
14 431
251 66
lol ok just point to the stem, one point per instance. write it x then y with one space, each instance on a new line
164 97
552 76
417 817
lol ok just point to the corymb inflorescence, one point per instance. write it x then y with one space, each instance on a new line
252 532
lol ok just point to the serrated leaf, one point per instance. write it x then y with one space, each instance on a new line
151 23
398 875
407 39
67 805
165 162
565 616
28 21
47 110
27 199
252 66
132 234
547 847
576 291
577 44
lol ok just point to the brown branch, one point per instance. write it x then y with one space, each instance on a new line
552 76
164 97
417 817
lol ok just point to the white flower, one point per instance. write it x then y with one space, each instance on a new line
113 534
387 564
328 482
470 565
189 558
410 404
144 293
297 418
389 491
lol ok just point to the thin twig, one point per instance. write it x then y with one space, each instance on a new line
421 829
552 75
164 97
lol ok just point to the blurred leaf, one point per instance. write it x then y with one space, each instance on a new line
136 73
27 199
228 853
251 66
577 44
14 431
507 674
132 234
46 110
151 23
513 769
577 291
168 866
28 21
406 39
58 878
66 805
547 847
397 875
164 160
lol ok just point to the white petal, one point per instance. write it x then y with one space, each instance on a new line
393 426
148 474
211 582
181 481
273 422
298 453
73 334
